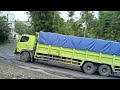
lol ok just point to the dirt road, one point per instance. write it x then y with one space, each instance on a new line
12 68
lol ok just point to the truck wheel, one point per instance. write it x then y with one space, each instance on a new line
25 56
104 70
89 68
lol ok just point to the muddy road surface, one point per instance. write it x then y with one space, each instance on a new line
12 68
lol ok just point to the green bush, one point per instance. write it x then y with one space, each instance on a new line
4 29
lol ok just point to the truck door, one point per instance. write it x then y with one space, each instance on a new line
23 43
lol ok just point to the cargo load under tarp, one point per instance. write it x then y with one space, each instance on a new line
80 43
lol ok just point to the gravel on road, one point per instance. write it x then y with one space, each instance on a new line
12 68
9 70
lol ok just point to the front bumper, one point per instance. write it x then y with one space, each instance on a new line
16 52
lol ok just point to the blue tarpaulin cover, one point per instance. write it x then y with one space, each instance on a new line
80 43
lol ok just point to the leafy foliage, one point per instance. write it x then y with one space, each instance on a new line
49 21
42 20
106 26
4 29
22 28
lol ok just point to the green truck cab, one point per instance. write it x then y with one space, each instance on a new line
90 62
26 43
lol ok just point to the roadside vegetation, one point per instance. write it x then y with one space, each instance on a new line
4 30
106 26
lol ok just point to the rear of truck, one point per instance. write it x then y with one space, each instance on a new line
89 61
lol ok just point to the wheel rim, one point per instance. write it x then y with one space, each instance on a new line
88 68
23 57
104 70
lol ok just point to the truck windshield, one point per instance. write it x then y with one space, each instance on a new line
24 39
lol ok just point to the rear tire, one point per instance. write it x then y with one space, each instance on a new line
89 68
104 70
25 56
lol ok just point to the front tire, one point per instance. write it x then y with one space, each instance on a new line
89 68
25 56
104 70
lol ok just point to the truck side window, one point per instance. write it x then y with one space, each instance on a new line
24 39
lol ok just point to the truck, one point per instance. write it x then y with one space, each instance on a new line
92 55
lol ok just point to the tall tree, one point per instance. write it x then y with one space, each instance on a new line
109 24
4 29
85 25
22 28
87 18
77 28
71 14
49 21
42 20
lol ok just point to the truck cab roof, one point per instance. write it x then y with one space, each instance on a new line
27 35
